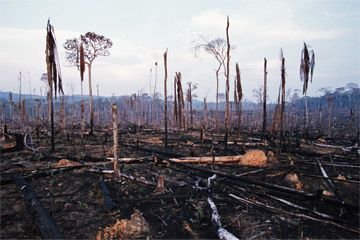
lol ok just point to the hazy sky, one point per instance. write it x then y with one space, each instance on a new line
142 30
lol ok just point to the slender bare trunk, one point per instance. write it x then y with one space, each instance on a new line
91 102
306 115
175 105
205 114
82 113
62 113
282 110
227 112
165 99
52 118
98 103
264 103
116 140
217 100
190 103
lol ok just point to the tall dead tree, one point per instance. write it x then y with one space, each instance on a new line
238 98
93 45
264 96
181 102
217 48
189 98
165 99
282 108
276 117
307 65
53 74
227 112
205 114
175 104
116 140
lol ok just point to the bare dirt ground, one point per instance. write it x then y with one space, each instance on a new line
288 198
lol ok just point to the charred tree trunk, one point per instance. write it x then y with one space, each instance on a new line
190 103
227 112
82 110
264 103
175 104
62 114
108 202
217 100
239 95
282 110
40 216
91 102
205 114
52 119
116 140
165 99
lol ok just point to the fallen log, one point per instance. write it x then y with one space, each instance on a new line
203 160
345 149
108 202
255 158
124 175
40 216
299 215
215 217
330 184
244 180
34 174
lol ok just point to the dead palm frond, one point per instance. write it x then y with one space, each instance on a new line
52 61
82 62
238 83
307 66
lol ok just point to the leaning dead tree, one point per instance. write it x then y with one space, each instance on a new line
90 46
53 74
227 111
307 65
264 96
165 99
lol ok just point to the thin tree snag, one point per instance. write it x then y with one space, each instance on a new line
175 104
227 111
91 101
82 114
40 216
165 100
108 202
264 96
116 140
239 95
282 105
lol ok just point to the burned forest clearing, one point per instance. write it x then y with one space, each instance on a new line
162 164
286 195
